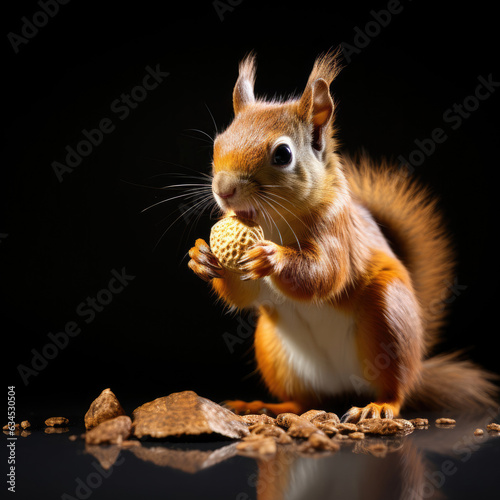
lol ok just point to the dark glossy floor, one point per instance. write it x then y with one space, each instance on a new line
429 463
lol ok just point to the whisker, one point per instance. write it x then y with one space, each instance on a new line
180 216
183 195
201 132
286 222
175 165
269 218
213 119
282 206
194 195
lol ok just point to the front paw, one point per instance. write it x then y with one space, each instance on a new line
203 262
260 260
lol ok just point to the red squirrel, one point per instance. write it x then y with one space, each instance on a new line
349 281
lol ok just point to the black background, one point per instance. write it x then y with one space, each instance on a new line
165 333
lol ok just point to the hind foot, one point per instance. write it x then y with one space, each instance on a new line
372 410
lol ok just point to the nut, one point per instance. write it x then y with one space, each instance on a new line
105 407
231 237
381 426
356 435
419 422
56 421
258 419
112 431
186 414
445 421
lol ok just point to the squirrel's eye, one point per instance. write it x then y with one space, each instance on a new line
282 155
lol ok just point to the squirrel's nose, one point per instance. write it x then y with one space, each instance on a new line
227 194
225 184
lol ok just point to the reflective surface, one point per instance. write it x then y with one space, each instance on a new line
429 463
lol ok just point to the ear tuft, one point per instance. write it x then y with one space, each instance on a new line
316 104
327 66
243 90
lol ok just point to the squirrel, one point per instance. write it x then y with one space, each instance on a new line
350 280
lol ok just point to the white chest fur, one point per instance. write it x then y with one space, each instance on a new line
319 342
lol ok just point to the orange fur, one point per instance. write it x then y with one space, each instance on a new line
341 234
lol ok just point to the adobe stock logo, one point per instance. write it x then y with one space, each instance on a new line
31 27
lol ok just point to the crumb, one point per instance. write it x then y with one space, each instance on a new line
56 421
113 431
446 421
419 422
346 428
258 419
356 435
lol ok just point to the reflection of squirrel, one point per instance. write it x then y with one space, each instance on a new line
349 281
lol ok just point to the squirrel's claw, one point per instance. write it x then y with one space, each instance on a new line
259 261
203 262
372 410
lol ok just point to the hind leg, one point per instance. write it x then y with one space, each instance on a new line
389 337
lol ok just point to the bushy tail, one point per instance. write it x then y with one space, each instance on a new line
409 218
450 383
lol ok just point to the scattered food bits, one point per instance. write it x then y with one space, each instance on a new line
287 419
329 428
186 414
312 414
303 430
9 427
113 431
478 432
406 424
346 428
445 421
258 419
384 426
357 436
56 422
419 422
25 424
493 427
267 430
341 437
105 407
326 417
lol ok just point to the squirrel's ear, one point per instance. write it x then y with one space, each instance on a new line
243 90
316 107
316 104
